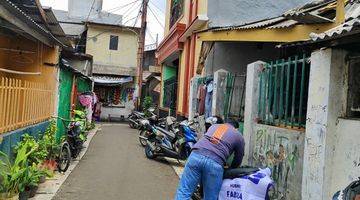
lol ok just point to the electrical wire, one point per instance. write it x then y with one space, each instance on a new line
137 18
120 7
157 7
127 11
152 38
153 13
92 7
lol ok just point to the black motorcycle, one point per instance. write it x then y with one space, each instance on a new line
147 126
72 145
350 192
162 142
135 117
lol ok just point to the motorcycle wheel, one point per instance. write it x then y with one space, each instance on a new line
64 158
132 125
142 141
149 153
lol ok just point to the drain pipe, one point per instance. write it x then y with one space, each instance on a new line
340 11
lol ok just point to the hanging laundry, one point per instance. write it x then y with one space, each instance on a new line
208 99
86 100
201 94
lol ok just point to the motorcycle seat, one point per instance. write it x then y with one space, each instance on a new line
139 113
239 172
170 134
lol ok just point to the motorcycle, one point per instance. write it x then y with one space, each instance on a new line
352 191
250 176
171 144
146 127
135 117
75 139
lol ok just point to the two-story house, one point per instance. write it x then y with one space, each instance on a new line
114 50
189 39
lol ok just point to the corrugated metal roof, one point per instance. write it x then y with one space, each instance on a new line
307 14
55 27
352 23
29 11
103 18
284 24
343 29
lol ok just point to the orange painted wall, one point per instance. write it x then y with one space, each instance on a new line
29 62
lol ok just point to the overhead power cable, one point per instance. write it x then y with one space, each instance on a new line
127 13
128 20
137 17
92 7
153 13
152 38
121 6
157 7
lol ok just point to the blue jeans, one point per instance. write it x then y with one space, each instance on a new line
200 168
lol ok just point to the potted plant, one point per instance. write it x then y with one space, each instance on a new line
30 182
49 146
13 174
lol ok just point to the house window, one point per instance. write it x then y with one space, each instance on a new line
177 7
353 97
114 42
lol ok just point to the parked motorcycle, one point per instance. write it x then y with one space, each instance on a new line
352 191
171 144
72 145
135 117
252 174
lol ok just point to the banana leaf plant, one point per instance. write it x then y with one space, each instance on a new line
13 174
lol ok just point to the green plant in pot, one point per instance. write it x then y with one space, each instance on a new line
30 182
13 174
48 145
147 104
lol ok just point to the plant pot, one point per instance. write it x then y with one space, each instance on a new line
24 195
50 164
32 191
42 179
6 196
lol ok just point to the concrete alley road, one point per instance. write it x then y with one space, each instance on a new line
115 167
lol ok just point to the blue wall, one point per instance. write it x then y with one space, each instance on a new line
10 139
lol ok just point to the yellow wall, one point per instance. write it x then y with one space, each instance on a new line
98 46
181 81
29 62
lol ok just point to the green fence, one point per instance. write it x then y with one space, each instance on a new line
283 92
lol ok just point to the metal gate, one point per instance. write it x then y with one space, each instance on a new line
283 92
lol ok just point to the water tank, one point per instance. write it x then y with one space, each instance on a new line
82 8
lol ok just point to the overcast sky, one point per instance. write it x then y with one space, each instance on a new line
129 13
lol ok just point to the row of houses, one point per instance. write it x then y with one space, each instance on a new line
286 70
49 59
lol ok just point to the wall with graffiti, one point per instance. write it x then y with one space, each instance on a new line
282 150
346 162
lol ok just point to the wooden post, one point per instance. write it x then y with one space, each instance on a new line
340 11
141 48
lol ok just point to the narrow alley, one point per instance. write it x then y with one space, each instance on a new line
115 167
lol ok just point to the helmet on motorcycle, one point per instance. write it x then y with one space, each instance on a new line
213 120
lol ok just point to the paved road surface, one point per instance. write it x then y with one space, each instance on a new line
115 167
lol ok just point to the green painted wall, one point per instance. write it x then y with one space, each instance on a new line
83 85
65 86
168 72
